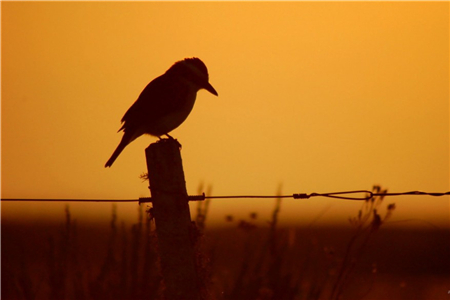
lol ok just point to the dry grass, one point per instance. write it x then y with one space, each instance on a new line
254 260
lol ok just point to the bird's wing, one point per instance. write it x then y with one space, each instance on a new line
156 100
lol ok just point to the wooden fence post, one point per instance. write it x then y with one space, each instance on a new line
173 220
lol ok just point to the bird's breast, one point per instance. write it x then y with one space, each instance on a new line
182 105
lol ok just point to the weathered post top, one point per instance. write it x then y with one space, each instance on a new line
165 168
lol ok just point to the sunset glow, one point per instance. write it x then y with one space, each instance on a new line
313 97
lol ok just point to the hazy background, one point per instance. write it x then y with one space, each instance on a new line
313 96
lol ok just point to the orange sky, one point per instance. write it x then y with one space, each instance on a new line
316 96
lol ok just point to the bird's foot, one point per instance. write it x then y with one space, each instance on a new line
171 138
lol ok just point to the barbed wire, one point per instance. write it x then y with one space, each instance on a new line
336 195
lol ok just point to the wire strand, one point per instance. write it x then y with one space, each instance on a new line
67 200
336 195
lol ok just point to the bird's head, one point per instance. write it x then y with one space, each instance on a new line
194 71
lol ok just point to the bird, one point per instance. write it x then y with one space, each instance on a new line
165 103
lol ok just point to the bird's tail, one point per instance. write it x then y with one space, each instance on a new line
116 153
123 143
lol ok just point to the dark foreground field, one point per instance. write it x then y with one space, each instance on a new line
239 261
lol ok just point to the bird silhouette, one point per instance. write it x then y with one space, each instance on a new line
164 103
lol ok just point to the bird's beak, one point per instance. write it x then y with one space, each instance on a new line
210 89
